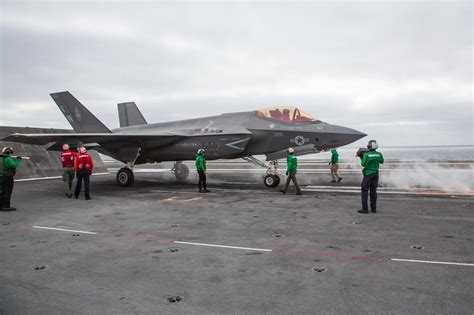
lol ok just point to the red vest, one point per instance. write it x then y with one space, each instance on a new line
84 160
68 158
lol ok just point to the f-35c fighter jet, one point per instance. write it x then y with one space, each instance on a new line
269 132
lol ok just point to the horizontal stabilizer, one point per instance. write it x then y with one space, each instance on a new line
80 118
130 115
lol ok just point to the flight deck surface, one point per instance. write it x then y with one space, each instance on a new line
162 247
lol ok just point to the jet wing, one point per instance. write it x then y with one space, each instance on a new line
101 138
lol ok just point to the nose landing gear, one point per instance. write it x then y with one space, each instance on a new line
272 177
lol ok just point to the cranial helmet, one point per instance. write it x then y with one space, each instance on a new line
82 149
7 150
372 145
65 146
201 151
291 150
333 150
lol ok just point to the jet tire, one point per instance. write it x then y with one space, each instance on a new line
125 177
181 171
271 180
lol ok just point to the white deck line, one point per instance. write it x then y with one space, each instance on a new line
63 230
50 177
223 246
432 262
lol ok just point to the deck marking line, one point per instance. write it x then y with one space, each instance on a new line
64 230
223 246
432 262
192 199
50 177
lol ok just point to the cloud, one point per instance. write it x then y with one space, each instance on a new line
390 69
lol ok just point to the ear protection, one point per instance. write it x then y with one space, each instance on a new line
372 145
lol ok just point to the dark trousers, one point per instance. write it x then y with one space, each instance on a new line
6 189
202 180
370 182
292 177
83 174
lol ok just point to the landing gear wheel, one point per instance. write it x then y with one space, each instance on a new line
125 177
181 171
271 180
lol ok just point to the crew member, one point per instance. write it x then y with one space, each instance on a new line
335 166
84 167
68 159
8 166
201 169
370 163
292 167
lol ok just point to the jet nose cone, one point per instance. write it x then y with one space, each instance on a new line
345 135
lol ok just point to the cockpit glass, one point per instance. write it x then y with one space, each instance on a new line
287 114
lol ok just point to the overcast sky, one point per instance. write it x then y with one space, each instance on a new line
398 71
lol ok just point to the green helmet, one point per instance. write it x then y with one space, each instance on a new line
201 151
7 150
333 151
372 145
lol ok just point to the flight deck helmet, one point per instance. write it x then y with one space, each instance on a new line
65 146
82 149
7 150
291 150
372 145
200 151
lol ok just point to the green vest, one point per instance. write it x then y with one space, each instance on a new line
371 161
200 163
334 157
292 163
8 166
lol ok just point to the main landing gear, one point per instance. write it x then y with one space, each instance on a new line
180 170
272 176
125 175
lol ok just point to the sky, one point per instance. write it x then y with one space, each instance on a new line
400 71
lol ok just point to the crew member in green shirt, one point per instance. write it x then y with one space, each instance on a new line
8 166
292 168
370 163
335 166
201 169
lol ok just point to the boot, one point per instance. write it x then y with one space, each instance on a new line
363 211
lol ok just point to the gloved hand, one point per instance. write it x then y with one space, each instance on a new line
18 157
329 163
286 173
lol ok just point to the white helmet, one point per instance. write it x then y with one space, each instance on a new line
291 150
82 149
372 145
65 146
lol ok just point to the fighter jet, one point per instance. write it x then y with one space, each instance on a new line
269 132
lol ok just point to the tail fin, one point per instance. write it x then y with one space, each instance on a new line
130 115
80 118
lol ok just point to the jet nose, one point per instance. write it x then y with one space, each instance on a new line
344 135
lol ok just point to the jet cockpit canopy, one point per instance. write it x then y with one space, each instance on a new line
289 114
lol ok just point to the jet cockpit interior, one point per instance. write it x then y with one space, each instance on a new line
288 114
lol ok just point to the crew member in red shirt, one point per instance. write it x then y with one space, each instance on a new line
84 167
68 159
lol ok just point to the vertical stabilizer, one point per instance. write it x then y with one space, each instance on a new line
80 118
130 115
